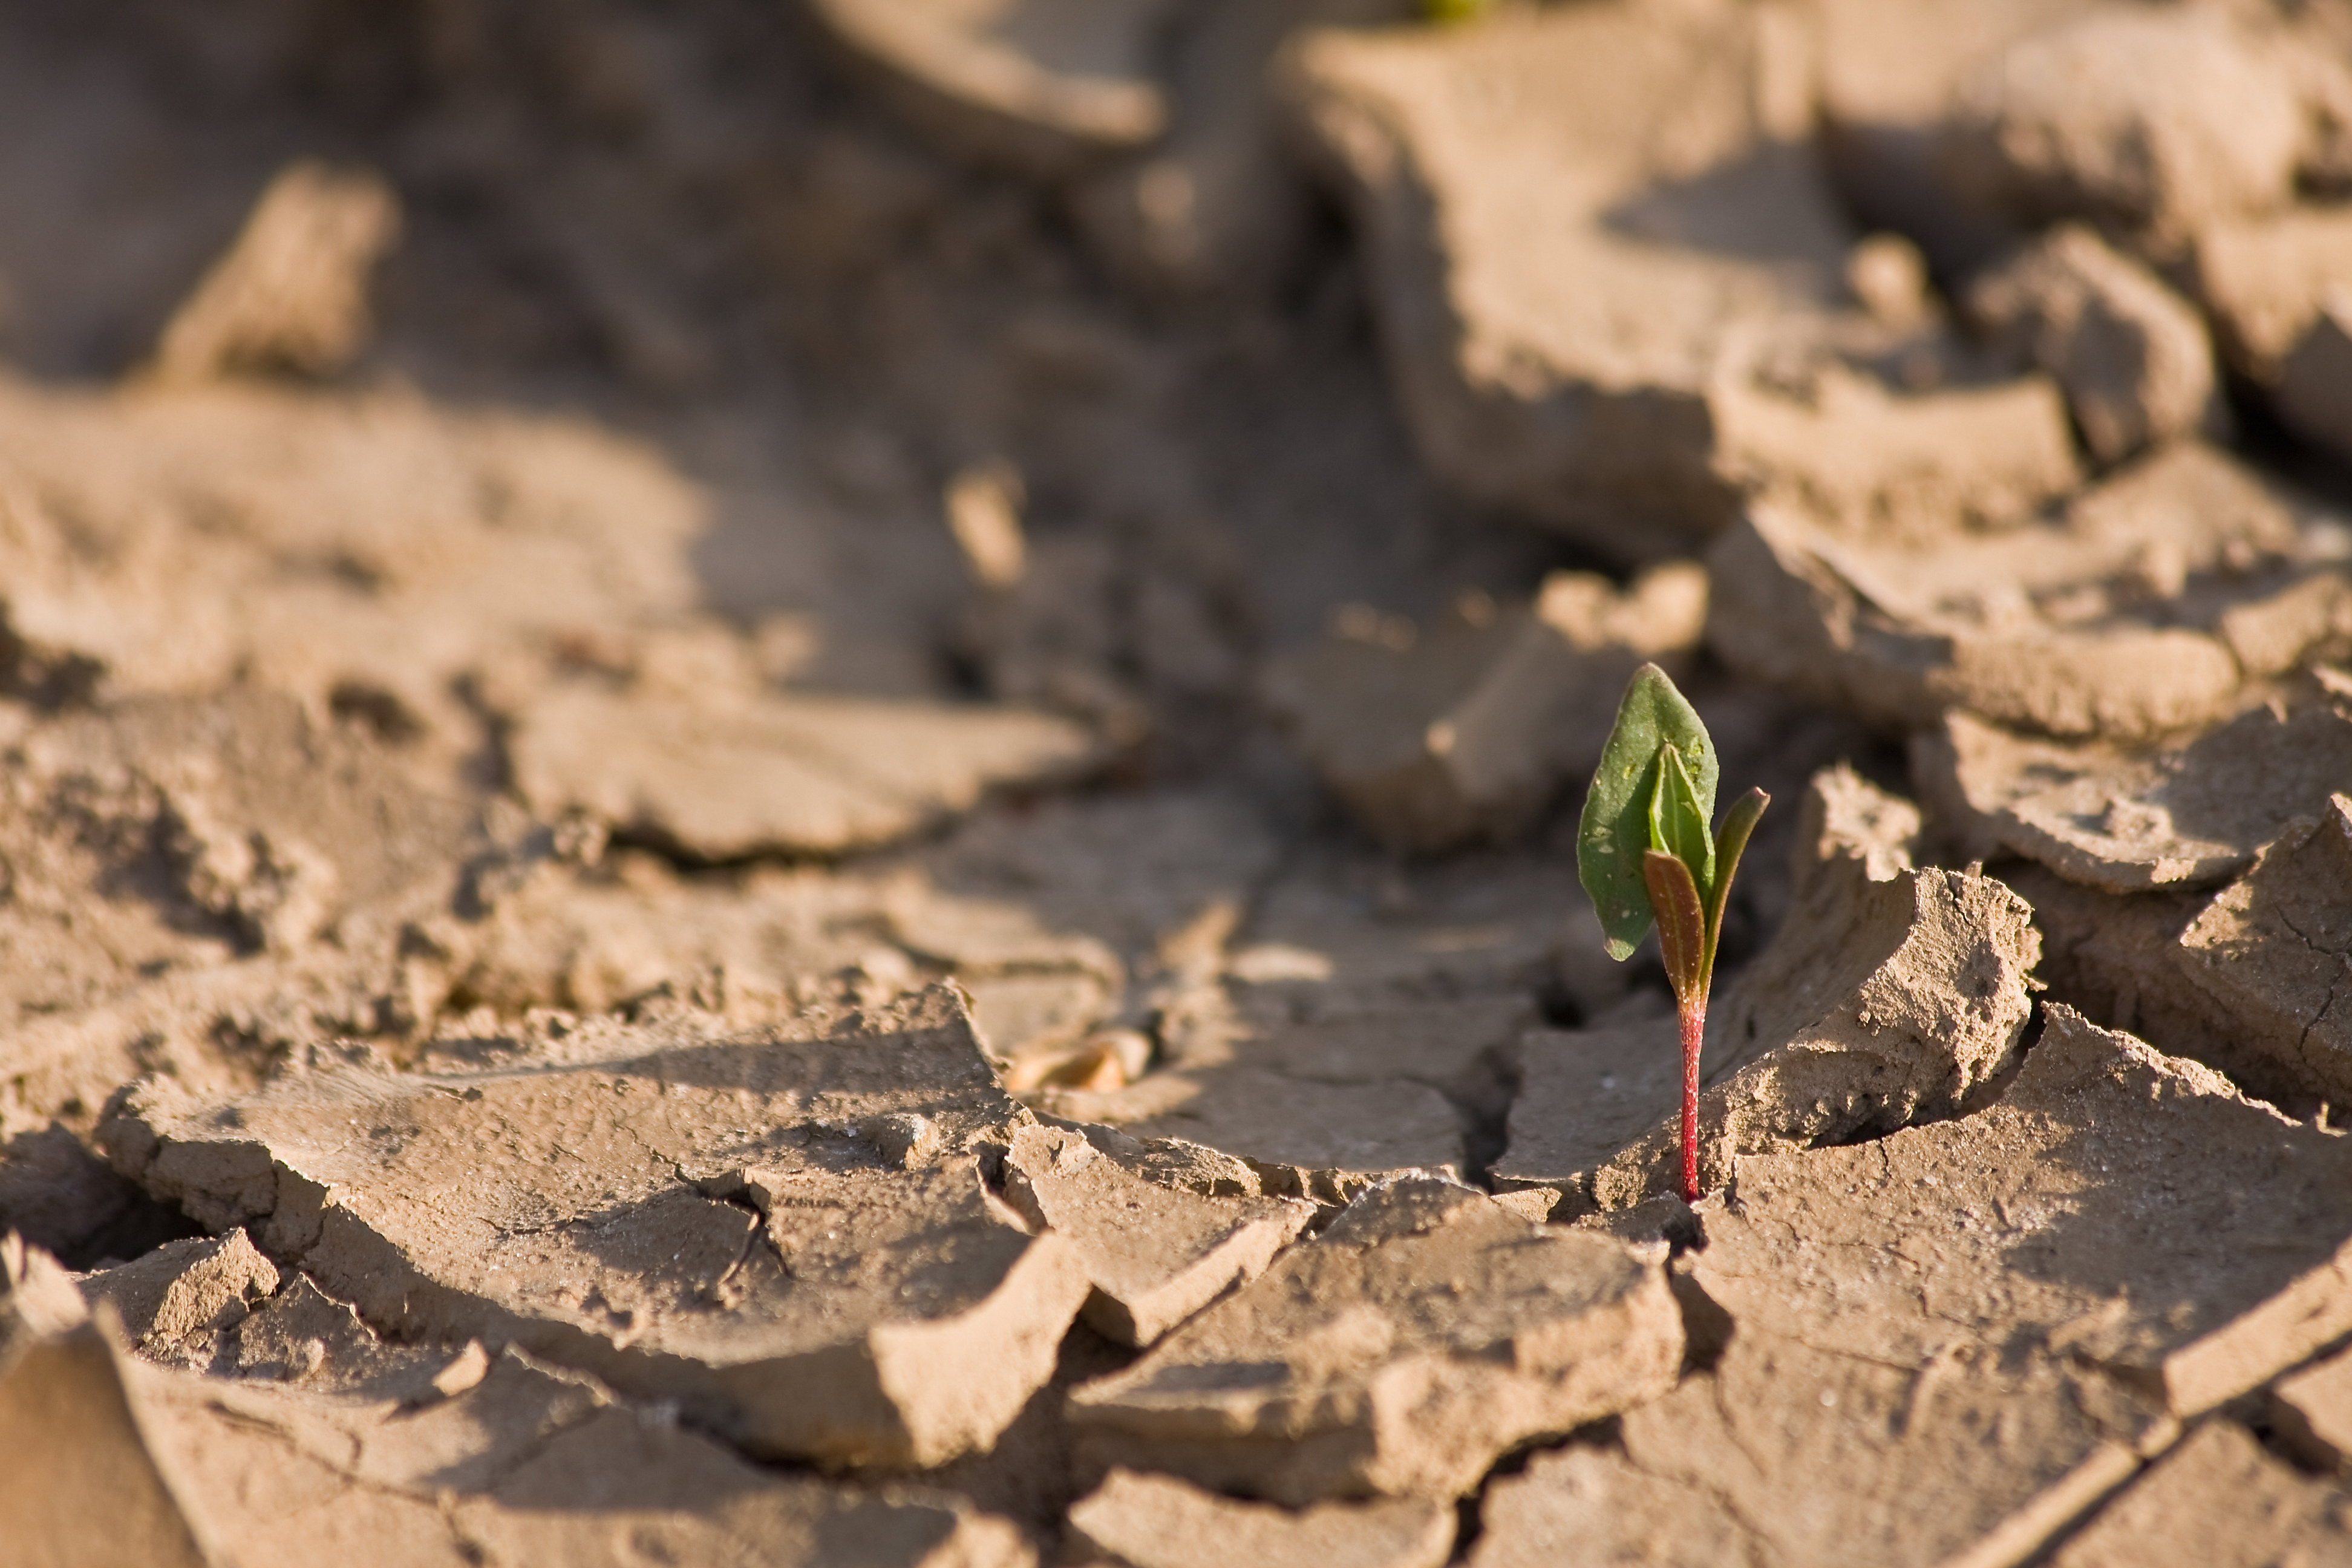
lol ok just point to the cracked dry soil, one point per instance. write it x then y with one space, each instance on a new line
793 782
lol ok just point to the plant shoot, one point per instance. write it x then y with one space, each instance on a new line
1647 856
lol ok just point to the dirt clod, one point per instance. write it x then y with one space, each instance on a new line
2166 121
2067 1242
692 1215
1021 82
2143 611
1156 1252
2216 1498
2131 354
1614 361
2023 1269
2276 950
184 1289
725 780
291 294
2127 820
2311 1411
1423 1333
80 1456
1138 1521
1471 729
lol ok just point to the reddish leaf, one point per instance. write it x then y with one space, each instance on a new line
1681 924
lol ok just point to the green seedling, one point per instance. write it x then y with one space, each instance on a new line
1646 856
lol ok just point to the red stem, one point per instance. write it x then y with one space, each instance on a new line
1693 1017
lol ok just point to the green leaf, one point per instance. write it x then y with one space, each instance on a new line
1682 925
1677 821
1614 832
1739 823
